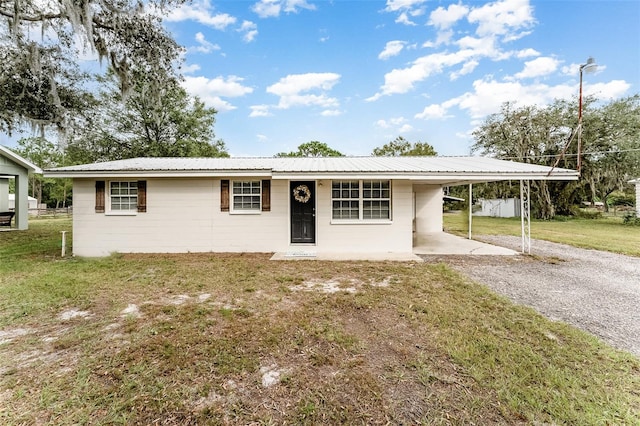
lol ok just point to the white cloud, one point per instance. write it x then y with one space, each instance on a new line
260 111
403 18
392 48
212 90
273 8
611 90
250 31
331 113
489 95
496 23
262 138
204 46
443 37
292 90
405 128
402 80
405 8
467 68
538 67
502 18
202 12
191 68
444 18
433 112
527 53
392 122
398 5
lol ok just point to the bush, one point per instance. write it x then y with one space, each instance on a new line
621 199
631 219
586 214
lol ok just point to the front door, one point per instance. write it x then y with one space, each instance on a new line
303 211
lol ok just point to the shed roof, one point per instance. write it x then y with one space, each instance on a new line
445 170
12 156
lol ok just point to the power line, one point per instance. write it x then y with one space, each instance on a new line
573 155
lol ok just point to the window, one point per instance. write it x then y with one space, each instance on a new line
123 196
246 195
361 199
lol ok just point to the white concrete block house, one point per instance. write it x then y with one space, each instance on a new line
332 205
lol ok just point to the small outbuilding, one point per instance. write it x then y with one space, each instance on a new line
322 205
32 202
13 166
499 207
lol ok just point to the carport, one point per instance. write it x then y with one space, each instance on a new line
428 193
13 166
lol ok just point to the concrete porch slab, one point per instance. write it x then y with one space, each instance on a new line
443 243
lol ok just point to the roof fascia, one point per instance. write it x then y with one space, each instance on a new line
434 178
155 173
431 177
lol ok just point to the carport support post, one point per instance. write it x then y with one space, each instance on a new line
22 201
525 216
4 194
470 207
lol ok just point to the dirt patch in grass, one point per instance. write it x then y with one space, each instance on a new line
237 339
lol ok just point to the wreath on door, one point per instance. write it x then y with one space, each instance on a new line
301 193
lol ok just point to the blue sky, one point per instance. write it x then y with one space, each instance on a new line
358 74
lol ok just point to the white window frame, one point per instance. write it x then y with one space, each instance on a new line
232 196
361 200
131 211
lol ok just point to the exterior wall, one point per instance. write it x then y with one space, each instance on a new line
183 215
394 236
428 208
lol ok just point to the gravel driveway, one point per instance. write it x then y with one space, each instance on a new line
596 291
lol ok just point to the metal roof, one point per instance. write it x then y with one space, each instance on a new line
441 169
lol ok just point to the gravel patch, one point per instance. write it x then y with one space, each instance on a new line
596 291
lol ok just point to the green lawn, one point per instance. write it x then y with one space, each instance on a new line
239 339
608 234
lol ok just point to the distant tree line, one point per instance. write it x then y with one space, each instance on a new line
540 135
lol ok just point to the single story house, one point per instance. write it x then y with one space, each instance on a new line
333 205
13 166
